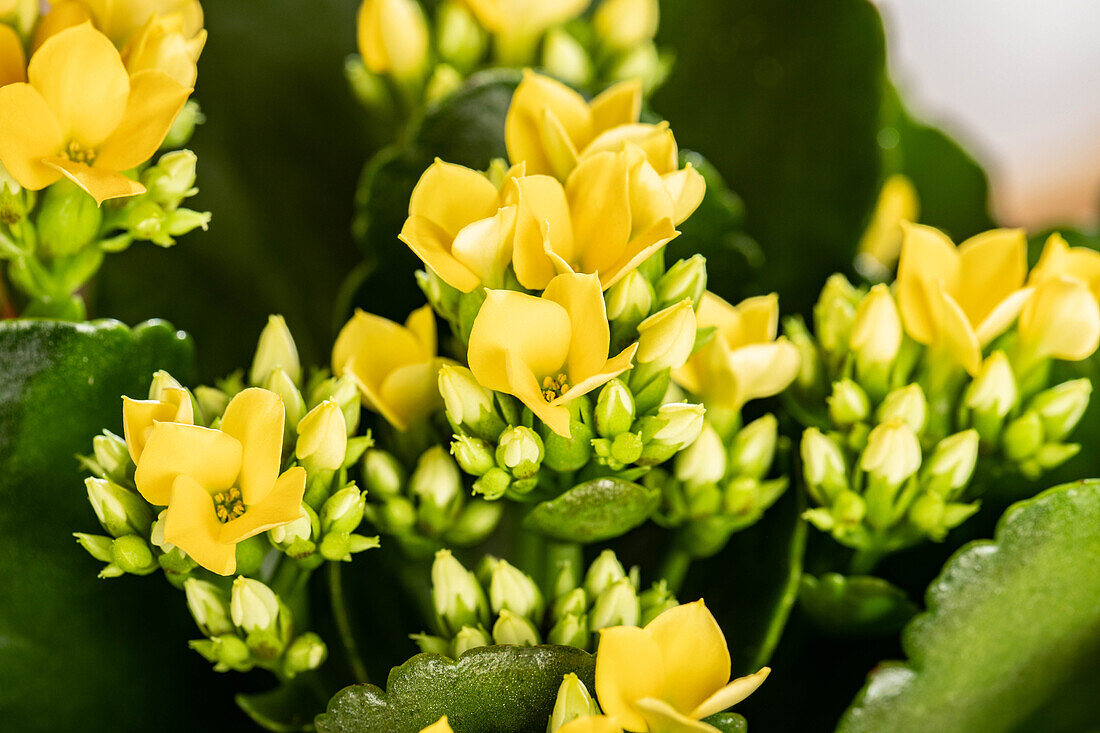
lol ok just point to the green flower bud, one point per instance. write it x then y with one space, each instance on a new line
226 652
993 392
566 578
305 653
444 81
572 453
626 448
147 220
893 452
172 179
906 404
111 455
209 606
926 514
573 602
753 449
704 461
520 451
835 314
849 509
676 426
322 437
616 605
459 38
1061 407
343 511
656 601
848 404
614 409
212 401
279 382
183 126
468 404
1023 436
823 466
630 299
573 701
570 630
952 463
97 546
301 529
121 512
253 606
809 361
266 646
276 348
432 644
131 554
474 455
604 571
68 219
514 590
623 24
493 484
340 546
686 280
438 484
514 630
475 522
565 58
382 473
184 221
645 63
456 595
470 637
1052 455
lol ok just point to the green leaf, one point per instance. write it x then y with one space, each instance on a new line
81 653
495 689
859 605
594 511
728 722
1011 623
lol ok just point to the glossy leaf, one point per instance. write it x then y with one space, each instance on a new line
1011 623
594 511
495 689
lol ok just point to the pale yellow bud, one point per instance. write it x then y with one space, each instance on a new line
323 437
893 452
393 37
667 338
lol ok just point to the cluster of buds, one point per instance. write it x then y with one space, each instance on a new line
248 625
500 604
407 59
719 485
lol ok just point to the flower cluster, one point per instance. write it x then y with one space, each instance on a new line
105 85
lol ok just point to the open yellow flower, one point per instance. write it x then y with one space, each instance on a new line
394 366
546 350
669 675
140 416
439 726
591 724
83 117
13 63
458 225
548 124
163 43
1061 320
1059 259
221 486
744 360
959 300
120 19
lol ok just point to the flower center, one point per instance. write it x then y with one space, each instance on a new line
228 505
554 387
75 152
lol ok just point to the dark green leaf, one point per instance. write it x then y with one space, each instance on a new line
858 605
495 689
81 653
728 722
594 511
1010 623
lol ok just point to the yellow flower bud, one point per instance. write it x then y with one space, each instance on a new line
667 338
275 348
623 24
253 605
1061 320
893 452
322 437
876 332
881 241
393 37
704 461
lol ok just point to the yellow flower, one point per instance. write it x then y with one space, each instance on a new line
670 674
548 124
591 724
83 117
162 43
394 366
139 416
1059 259
667 338
13 64
120 19
62 15
546 350
458 227
744 360
518 24
439 726
221 486
959 300
393 37
1061 320
881 241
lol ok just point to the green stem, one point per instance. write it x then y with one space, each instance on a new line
343 622
864 560
675 566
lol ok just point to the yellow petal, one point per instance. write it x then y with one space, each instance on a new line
1059 258
410 392
612 368
638 250
557 146
763 370
524 385
656 142
927 256
378 346
994 265
191 525
696 658
582 298
439 726
210 457
282 505
668 336
13 63
1001 317
155 101
28 133
161 44
452 196
590 724
100 183
485 246
62 15
620 104
542 222
731 694
431 243
629 668
1062 320
523 135
686 187
421 324
954 332
138 417
661 717
80 75
533 330
598 192
255 417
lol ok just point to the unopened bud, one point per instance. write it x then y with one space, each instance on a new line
614 409
226 652
493 484
686 280
212 401
704 461
305 653
573 701
456 595
848 404
459 38
322 438
991 396
438 484
514 630
132 554
393 38
667 338
444 81
300 530
565 58
570 630
602 573
469 404
630 299
253 606
209 606
753 449
952 462
1061 407
382 473
68 219
276 348
655 601
474 455
520 451
97 546
906 404
184 126
475 522
682 423
172 179
111 454
470 637
835 314
573 602
616 605
623 24
512 589
343 511
823 466
893 452
1023 436
294 406
120 511
876 333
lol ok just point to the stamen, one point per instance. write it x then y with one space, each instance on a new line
554 387
228 505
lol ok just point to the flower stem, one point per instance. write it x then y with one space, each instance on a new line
343 622
675 566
